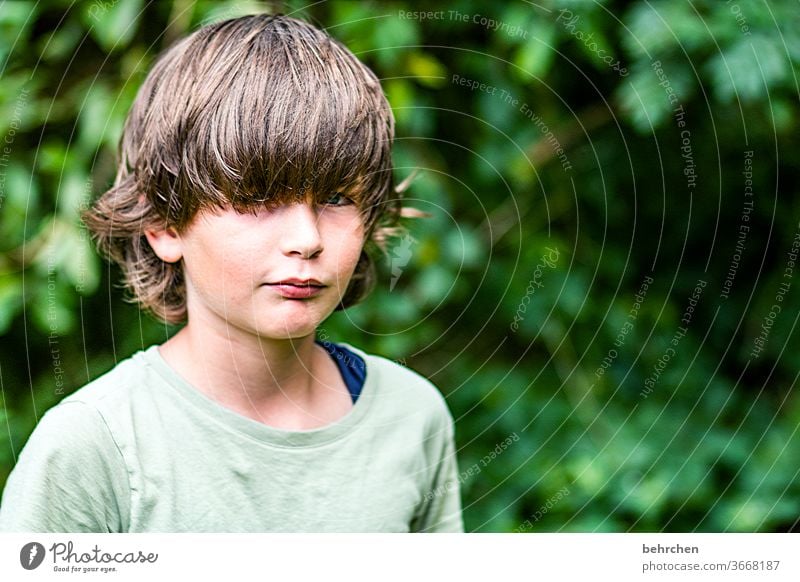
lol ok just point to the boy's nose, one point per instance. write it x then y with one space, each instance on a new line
300 232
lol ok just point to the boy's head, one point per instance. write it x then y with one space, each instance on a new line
246 114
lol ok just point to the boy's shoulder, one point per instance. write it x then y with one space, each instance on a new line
403 389
117 384
83 419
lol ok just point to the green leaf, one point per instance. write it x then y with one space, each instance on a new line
16 19
644 96
749 69
10 300
433 285
74 195
462 248
656 29
535 56
112 22
94 116
15 107
20 204
426 70
50 305
68 255
401 95
392 37
61 42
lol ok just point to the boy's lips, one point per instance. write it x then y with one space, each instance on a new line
298 282
298 288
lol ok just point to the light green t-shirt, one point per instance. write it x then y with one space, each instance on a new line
141 450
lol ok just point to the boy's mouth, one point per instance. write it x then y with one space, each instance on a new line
299 283
298 288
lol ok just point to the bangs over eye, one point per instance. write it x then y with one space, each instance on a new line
291 113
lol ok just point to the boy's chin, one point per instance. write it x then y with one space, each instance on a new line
294 333
291 330
289 320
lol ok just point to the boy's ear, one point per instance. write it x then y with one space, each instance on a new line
165 243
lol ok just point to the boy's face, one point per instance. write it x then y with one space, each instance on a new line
234 265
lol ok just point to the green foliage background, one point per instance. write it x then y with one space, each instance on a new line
714 447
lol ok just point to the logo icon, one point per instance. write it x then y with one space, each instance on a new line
31 555
401 255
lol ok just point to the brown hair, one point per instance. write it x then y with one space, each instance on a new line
247 113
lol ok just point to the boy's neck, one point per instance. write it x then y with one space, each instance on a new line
288 384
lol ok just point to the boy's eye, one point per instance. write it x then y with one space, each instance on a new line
339 199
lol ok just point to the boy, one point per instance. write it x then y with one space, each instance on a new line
255 169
